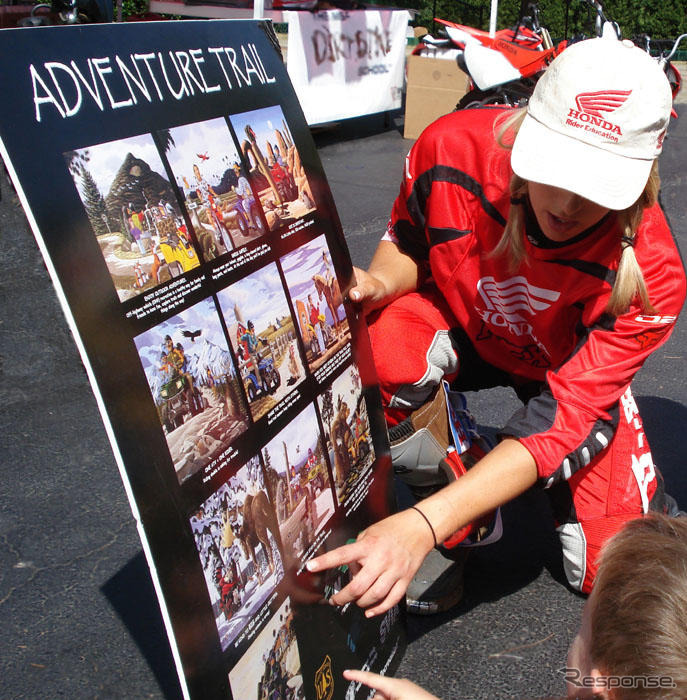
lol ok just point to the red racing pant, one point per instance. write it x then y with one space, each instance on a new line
416 343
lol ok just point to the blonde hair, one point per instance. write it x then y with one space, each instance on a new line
629 282
639 609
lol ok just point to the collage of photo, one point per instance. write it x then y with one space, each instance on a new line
134 212
300 483
262 333
272 667
220 364
349 442
195 386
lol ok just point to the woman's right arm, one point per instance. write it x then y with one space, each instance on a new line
392 273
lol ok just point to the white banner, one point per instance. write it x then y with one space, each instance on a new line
345 64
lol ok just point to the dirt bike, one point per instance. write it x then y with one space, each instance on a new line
504 68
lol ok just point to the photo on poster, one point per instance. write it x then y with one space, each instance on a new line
271 668
220 203
194 385
317 300
134 213
299 482
347 428
237 538
263 335
275 169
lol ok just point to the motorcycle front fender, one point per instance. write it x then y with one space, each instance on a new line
487 67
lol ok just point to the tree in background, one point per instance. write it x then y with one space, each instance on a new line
94 202
661 19
134 7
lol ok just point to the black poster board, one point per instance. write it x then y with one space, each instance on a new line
171 182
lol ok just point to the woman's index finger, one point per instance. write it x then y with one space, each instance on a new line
345 554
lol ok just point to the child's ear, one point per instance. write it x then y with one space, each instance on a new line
600 688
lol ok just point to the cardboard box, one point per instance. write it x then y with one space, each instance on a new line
434 86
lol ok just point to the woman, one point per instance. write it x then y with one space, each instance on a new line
550 269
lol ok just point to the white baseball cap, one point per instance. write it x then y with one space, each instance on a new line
596 122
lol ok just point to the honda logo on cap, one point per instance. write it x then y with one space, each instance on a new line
590 116
595 103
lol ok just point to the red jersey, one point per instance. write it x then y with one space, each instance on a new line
546 320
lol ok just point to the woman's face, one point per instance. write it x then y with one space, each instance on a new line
561 214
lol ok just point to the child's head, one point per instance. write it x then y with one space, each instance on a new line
633 637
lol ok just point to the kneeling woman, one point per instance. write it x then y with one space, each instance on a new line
528 251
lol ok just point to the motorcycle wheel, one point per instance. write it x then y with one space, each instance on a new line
257 220
276 379
251 392
243 225
673 78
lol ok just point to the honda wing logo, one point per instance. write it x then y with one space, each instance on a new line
595 103
515 295
512 303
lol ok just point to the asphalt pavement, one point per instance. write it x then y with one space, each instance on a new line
78 611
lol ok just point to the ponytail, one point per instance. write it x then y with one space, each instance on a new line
629 282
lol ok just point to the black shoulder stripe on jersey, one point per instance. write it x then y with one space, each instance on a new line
589 268
444 173
605 322
536 416
410 240
562 504
444 235
411 234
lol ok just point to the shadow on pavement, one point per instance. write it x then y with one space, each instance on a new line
131 594
664 422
